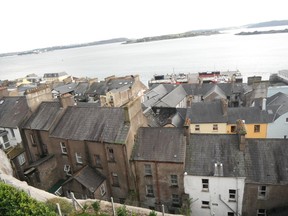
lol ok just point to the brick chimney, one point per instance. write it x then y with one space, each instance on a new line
242 142
66 100
241 131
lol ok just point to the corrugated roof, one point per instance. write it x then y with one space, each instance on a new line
160 144
92 123
263 161
44 116
13 110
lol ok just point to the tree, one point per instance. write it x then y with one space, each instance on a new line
16 202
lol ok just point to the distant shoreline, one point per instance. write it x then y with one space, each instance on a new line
263 32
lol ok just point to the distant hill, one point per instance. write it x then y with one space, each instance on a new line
268 24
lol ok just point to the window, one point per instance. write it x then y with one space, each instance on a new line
32 138
111 154
256 128
97 161
215 127
286 119
115 180
233 129
205 204
21 159
78 158
6 141
232 195
175 200
230 214
174 180
12 132
67 169
147 169
197 127
205 184
102 190
149 191
63 148
262 192
261 212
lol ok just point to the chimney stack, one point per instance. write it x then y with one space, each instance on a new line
264 104
66 100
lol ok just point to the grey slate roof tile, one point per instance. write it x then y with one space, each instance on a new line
13 110
44 116
160 144
92 123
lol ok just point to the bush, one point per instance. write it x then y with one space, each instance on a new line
16 202
152 213
66 207
122 211
96 207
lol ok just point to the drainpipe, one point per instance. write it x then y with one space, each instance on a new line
157 182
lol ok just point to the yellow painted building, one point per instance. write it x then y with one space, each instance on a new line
253 130
213 128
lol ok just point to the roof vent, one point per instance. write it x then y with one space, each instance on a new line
1 101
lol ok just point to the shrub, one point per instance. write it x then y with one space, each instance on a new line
65 206
96 207
16 202
152 213
122 211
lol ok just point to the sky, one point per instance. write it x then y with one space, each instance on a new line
30 24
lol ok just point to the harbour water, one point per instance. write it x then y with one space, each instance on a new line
251 55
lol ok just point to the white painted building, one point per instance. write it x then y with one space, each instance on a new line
215 195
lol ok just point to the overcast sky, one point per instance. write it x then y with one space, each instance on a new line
29 24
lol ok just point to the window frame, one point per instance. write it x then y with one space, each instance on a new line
175 200
6 144
102 190
115 179
21 159
205 204
147 169
67 169
63 148
149 190
205 185
262 213
97 159
232 195
111 155
197 127
173 180
257 128
215 127
79 158
262 192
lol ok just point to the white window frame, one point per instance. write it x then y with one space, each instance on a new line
67 168
102 190
205 204
205 185
215 127
63 148
197 127
147 169
21 159
261 212
7 144
175 199
174 181
79 158
232 195
149 191
262 193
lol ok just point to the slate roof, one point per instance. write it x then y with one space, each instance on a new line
66 88
44 116
13 110
160 144
277 99
92 123
215 89
88 177
154 95
207 112
263 161
97 88
173 98
249 114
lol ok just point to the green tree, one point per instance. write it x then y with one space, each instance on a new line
16 202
